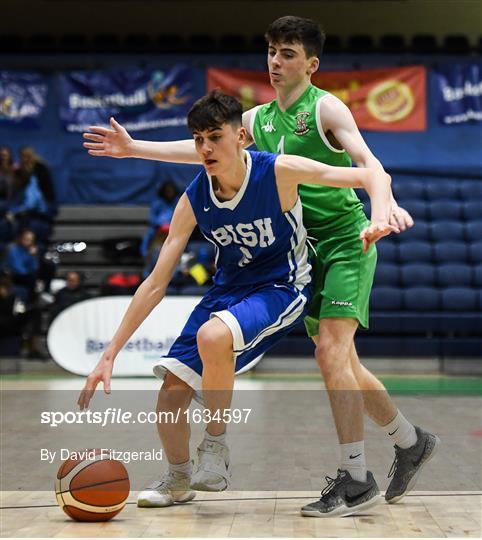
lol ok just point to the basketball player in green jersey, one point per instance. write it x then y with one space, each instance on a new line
310 122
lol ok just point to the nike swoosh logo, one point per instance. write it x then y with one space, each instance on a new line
206 209
353 457
393 432
417 462
350 500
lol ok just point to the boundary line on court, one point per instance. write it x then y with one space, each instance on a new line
442 494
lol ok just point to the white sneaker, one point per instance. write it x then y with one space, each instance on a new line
214 472
172 488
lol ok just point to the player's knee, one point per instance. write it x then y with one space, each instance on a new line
214 340
331 356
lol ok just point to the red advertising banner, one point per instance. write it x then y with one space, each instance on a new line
389 99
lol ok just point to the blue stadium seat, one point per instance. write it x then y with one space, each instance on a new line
459 299
417 209
475 252
415 251
473 230
417 274
408 190
421 299
472 210
477 270
387 251
442 190
450 252
445 210
471 190
454 275
387 274
386 299
446 230
420 231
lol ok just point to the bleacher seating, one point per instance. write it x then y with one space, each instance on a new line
436 284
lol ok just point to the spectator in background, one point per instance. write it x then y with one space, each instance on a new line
73 292
7 174
33 203
13 318
160 216
21 262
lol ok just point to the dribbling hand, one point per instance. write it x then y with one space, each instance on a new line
115 142
101 373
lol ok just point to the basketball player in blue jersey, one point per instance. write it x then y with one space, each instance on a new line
247 205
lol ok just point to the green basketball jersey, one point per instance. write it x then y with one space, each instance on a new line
298 131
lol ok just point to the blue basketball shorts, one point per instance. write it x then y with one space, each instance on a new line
258 317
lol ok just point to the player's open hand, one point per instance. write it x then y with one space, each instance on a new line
115 142
374 232
400 218
101 373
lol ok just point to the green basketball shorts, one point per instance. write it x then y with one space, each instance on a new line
342 276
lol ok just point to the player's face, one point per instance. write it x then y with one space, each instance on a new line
219 147
288 64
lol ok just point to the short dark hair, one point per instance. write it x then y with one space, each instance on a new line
291 29
213 110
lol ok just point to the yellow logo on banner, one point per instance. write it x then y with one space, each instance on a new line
390 101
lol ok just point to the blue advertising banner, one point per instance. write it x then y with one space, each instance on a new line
23 97
139 99
459 98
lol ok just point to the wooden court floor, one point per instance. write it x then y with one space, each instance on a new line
447 501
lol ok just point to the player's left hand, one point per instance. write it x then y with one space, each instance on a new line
374 232
400 218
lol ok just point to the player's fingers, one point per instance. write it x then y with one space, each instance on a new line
366 245
93 146
84 399
115 125
100 130
97 152
107 385
94 137
394 220
408 220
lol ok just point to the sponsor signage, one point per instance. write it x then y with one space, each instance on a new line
459 93
78 336
23 97
139 99
390 99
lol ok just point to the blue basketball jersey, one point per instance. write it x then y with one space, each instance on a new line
256 242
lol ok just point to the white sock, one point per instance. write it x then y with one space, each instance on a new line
353 460
401 431
184 468
215 438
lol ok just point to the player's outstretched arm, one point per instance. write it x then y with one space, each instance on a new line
336 118
148 295
116 142
294 170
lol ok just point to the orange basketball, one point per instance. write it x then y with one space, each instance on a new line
91 487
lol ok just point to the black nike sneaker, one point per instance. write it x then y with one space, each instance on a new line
408 464
344 496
